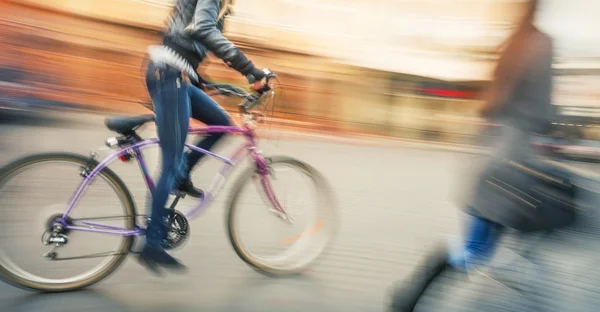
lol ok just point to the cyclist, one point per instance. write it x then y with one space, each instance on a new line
195 27
519 98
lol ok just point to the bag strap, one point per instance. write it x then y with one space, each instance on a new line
538 174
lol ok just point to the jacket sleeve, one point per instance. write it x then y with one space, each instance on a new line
204 30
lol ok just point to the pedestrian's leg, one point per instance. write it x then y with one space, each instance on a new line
171 104
482 236
407 293
479 244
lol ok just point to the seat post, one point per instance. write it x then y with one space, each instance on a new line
132 137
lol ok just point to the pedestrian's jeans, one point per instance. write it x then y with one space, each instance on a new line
479 244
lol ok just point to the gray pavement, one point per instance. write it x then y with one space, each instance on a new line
394 202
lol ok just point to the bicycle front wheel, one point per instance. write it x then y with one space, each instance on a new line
268 242
34 192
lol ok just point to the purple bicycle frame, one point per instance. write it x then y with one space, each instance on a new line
248 148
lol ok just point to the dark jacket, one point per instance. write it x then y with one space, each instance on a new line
193 29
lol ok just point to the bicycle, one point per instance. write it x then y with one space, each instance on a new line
304 248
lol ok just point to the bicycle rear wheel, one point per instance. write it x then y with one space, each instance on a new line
47 207
300 246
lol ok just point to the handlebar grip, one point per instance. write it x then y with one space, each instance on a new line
263 89
268 76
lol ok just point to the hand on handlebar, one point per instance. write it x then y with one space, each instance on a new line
258 85
262 86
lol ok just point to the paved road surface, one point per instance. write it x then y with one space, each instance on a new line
394 201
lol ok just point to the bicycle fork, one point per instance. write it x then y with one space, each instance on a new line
262 166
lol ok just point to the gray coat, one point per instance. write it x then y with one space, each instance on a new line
527 110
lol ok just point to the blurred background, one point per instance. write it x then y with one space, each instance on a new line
400 68
380 74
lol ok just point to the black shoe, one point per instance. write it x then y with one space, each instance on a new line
152 258
407 294
187 187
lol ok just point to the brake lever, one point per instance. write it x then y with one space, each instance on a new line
226 90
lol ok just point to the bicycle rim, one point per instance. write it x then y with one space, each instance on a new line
15 274
299 250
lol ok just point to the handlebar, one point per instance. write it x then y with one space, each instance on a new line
227 90
250 99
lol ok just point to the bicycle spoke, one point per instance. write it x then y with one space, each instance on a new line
95 255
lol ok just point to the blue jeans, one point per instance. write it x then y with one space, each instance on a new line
206 110
479 245
175 101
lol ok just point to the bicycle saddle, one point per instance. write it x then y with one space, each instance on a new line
125 125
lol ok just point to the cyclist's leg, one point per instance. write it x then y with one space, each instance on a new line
206 110
171 106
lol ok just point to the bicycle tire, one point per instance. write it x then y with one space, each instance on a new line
233 207
124 248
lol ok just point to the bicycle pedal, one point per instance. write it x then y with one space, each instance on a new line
179 194
138 245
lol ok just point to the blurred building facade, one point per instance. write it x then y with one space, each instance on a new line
410 68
